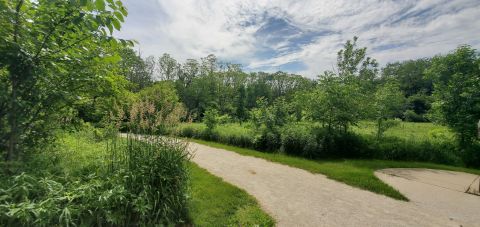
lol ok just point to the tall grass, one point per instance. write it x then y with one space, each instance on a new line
232 133
407 141
122 182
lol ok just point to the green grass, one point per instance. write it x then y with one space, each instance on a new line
408 130
357 173
213 202
218 203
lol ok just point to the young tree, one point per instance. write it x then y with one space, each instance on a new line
49 50
353 63
388 103
335 104
456 79
211 119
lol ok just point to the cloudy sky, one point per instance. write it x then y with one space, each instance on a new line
299 36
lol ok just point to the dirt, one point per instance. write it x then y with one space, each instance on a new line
295 197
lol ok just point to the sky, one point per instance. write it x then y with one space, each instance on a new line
300 37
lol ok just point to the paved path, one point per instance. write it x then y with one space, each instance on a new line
295 197
440 191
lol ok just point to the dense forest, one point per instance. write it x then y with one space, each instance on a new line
62 71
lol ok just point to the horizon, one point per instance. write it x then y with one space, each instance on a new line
299 37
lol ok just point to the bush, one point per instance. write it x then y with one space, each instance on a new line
471 154
232 134
267 141
392 148
299 140
411 116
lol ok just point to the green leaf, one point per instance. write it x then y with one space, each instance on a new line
110 27
90 6
100 4
116 24
124 11
119 16
83 2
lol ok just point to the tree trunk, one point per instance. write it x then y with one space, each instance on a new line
13 121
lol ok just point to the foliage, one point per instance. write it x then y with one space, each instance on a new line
354 65
140 180
410 76
52 51
156 177
456 79
168 67
135 69
388 103
405 141
418 106
335 104
211 119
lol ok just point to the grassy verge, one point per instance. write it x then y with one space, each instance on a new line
218 203
357 173
74 170
213 202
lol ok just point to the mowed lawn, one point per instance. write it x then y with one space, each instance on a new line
215 202
357 173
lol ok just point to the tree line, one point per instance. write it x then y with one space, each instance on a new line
60 73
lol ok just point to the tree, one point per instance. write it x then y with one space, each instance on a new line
352 63
190 70
167 67
209 64
166 103
335 104
410 76
456 78
241 110
388 102
211 119
49 50
135 69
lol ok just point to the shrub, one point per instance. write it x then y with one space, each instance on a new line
299 140
411 116
211 119
392 148
267 141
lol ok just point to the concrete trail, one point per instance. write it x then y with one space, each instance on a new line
295 197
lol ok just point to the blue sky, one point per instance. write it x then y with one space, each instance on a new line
299 36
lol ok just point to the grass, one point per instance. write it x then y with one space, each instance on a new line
213 202
404 130
217 203
408 130
357 173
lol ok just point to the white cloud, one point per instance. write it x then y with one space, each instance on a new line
193 29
